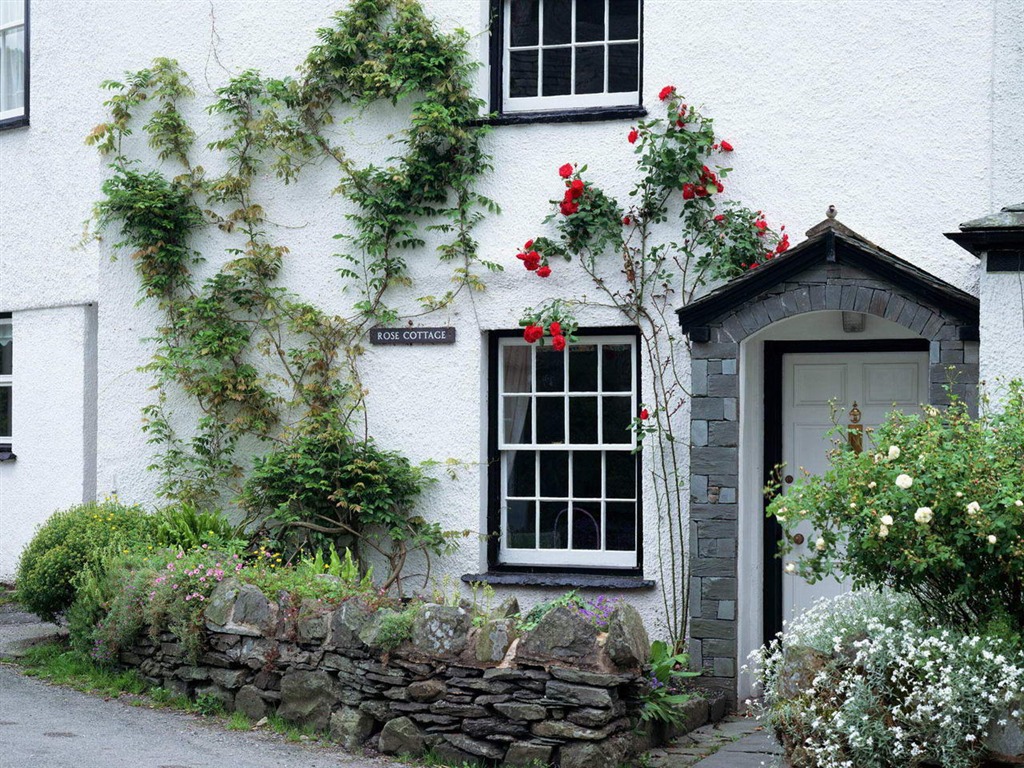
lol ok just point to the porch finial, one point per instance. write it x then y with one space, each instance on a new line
831 212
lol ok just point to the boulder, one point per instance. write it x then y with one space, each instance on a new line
427 690
441 630
307 698
527 754
1006 742
350 727
449 755
800 665
611 753
218 608
494 638
628 644
314 621
347 621
561 636
475 746
401 736
249 702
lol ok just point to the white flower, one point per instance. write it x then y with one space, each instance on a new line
973 508
820 545
883 532
904 481
894 452
923 515
872 484
790 567
853 505
886 519
1019 503
959 494
992 538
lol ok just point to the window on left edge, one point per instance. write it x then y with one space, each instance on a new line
13 62
6 380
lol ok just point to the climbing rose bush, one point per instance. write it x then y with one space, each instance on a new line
935 510
862 680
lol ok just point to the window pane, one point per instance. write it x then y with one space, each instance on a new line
617 415
550 420
517 368
623 68
590 69
554 525
6 349
557 22
12 11
583 368
521 472
586 474
557 71
12 69
583 420
622 20
586 526
621 470
617 368
5 411
589 20
522 524
620 518
550 370
524 22
517 420
523 74
554 473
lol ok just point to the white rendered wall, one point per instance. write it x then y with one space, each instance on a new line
851 103
1002 329
53 435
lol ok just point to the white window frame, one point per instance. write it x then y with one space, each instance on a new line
22 111
537 556
7 380
541 103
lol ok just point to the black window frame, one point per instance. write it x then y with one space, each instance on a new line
19 121
567 115
494 478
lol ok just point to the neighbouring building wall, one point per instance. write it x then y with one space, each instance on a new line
1002 328
54 429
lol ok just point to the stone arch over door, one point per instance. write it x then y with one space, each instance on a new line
834 270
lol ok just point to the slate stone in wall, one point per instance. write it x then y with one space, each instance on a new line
347 621
493 639
401 736
475 746
610 753
427 690
528 754
308 697
250 703
441 630
562 635
579 695
627 644
351 727
563 729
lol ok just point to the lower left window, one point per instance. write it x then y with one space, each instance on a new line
6 384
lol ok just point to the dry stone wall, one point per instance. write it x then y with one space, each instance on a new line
562 693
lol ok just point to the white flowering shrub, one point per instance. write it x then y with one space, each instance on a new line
860 681
936 512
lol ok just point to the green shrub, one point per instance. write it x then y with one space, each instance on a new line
937 512
185 526
67 543
395 629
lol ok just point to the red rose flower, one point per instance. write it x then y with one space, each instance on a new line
719 186
558 343
720 217
531 266
543 271
625 221
761 224
555 329
568 209
644 414
783 245
568 197
752 266
533 332
680 124
726 146
565 171
701 191
528 245
577 188
667 91
633 136
687 191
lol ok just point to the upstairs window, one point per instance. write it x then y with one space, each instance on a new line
569 54
13 62
568 493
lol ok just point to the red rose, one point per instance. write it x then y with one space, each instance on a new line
531 266
543 271
577 188
667 91
680 124
687 191
726 146
720 217
644 415
528 245
625 221
558 343
533 332
719 186
752 266
568 209
555 329
761 224
633 136
701 191
565 171
783 245
568 197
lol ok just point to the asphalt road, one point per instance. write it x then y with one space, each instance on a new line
46 726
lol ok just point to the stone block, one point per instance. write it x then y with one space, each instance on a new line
562 635
727 610
705 460
350 727
441 630
627 643
724 667
699 431
494 638
723 385
713 628
579 695
611 753
528 754
714 566
707 408
521 710
401 736
307 698
475 746
427 690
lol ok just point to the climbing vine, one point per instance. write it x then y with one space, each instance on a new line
268 370
645 256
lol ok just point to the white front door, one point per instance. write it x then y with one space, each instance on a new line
812 385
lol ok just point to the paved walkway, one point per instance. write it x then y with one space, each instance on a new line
736 742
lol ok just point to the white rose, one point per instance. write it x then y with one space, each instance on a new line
992 539
872 484
904 481
959 494
886 519
790 568
883 532
1019 503
973 508
894 452
923 515
820 545
853 505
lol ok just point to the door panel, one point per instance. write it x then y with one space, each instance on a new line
813 384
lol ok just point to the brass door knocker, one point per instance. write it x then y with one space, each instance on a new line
855 430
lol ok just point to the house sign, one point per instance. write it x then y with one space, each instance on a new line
444 335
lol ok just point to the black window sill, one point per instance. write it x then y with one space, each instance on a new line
577 580
564 116
7 452
20 121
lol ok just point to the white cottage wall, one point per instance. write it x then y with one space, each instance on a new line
854 104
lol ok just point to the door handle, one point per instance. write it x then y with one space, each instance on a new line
798 539
789 478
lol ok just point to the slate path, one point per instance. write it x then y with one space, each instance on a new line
736 742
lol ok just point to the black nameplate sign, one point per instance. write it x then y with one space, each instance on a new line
412 335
